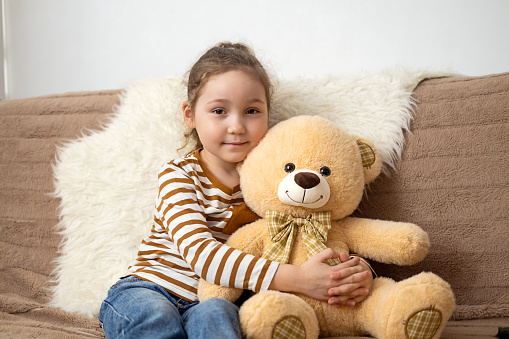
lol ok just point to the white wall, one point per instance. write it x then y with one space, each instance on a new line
56 46
3 77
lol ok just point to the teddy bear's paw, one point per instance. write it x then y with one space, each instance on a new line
277 315
414 308
423 324
290 327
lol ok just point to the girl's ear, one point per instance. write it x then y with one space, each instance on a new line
188 114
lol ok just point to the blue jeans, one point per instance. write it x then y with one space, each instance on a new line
138 309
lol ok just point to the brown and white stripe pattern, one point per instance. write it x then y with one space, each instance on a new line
186 241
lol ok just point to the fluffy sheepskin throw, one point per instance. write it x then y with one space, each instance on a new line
107 180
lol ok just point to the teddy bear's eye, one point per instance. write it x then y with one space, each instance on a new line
289 167
325 171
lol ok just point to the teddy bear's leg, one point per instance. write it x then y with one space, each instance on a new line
208 290
278 315
415 308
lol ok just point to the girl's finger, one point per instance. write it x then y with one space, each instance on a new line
347 272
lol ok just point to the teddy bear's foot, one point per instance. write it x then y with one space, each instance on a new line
278 315
424 324
289 327
415 308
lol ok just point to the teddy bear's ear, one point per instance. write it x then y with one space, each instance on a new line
370 160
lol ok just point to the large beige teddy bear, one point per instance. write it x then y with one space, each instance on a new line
303 174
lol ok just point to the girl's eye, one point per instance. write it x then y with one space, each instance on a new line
218 111
325 171
252 111
289 167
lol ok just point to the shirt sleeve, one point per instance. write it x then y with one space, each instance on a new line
180 209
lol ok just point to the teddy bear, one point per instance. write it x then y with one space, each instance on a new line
305 179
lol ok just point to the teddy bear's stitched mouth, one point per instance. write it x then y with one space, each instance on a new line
299 202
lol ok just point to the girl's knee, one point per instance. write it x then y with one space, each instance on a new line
213 318
156 321
218 304
139 313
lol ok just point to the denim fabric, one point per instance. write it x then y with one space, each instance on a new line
138 309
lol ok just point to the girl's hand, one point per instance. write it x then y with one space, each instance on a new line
353 286
315 278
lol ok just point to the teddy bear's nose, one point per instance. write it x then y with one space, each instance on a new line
307 180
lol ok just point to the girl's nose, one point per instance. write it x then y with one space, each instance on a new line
236 126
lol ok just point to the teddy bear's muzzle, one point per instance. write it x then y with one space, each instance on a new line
304 188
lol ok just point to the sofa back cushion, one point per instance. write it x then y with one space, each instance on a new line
454 183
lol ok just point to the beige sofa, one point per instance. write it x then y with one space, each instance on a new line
452 181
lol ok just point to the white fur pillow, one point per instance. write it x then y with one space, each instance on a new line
107 181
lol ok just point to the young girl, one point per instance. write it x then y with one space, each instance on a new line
199 205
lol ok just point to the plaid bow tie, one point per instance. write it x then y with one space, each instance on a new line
282 230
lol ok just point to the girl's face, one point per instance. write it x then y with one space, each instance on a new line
230 117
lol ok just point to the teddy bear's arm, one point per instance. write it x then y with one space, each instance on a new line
249 239
386 241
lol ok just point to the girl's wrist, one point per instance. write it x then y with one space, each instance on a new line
286 279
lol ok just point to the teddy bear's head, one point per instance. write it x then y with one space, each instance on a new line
308 164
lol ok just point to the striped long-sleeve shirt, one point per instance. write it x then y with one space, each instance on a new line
194 215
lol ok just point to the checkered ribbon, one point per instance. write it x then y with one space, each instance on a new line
283 227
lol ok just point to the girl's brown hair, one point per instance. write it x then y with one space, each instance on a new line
221 58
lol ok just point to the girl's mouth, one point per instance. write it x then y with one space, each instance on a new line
235 143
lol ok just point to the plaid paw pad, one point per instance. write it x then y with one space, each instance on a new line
423 324
290 327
